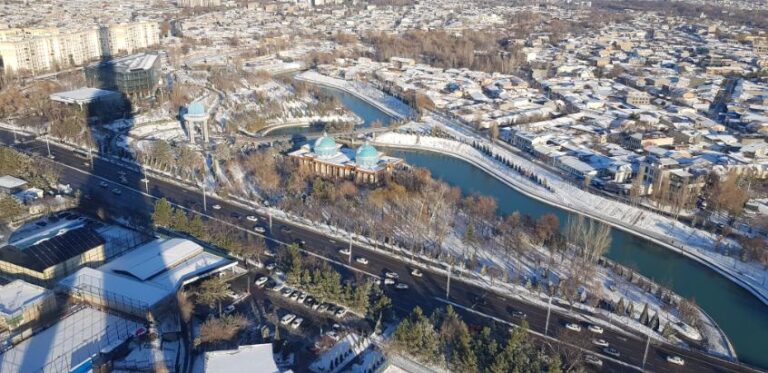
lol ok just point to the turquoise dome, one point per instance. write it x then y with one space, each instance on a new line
196 108
325 146
367 156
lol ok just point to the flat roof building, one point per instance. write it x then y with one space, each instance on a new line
22 302
53 257
139 281
245 359
10 184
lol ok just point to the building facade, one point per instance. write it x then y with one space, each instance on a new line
199 3
133 75
43 49
325 158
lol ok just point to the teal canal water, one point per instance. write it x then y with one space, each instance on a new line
742 316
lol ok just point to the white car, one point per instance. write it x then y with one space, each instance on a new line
251 218
269 253
287 319
261 281
401 286
259 229
600 342
296 323
595 329
216 207
345 251
361 260
675 360
593 360
416 273
389 281
572 326
391 275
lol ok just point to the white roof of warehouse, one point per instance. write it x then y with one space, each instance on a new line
156 256
17 295
10 182
246 359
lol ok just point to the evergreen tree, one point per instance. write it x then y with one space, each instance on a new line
654 322
196 227
620 309
180 222
163 214
644 315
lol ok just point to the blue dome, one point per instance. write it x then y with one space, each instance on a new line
367 156
196 108
325 146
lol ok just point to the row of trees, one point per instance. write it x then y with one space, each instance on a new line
445 339
213 231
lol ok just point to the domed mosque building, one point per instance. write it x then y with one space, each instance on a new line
326 158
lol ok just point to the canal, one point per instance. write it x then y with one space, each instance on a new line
742 316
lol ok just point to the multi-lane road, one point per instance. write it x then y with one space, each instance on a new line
478 304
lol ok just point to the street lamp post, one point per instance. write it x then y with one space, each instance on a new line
48 145
349 260
549 311
645 354
448 283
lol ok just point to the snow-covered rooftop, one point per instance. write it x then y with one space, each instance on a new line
248 358
17 295
156 256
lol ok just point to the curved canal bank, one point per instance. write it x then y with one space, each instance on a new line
742 316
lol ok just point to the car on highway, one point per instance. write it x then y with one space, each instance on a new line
300 242
573 327
593 360
611 351
600 342
296 323
287 319
392 275
595 329
416 273
259 229
216 207
361 260
401 286
103 184
677 360
345 251
518 314
251 218
261 281
117 191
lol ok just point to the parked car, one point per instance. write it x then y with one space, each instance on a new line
229 310
251 218
294 296
595 329
346 251
572 326
103 184
322 307
286 292
361 260
259 229
261 281
117 191
296 323
391 275
340 312
271 266
416 273
216 207
285 320
401 286
389 281
677 360
269 253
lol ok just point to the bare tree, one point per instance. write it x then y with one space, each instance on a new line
590 237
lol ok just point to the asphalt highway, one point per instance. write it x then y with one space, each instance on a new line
477 304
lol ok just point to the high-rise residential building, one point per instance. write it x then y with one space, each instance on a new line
45 49
129 37
199 3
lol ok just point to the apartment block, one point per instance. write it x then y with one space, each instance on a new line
199 3
43 49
